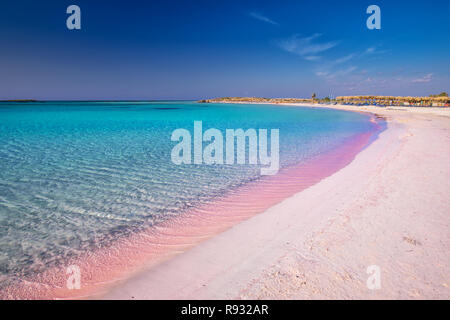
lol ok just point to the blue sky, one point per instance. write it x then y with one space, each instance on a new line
200 49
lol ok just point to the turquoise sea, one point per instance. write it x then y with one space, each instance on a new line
76 176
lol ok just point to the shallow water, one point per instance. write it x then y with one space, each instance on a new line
75 177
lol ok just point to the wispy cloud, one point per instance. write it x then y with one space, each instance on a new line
370 50
312 58
332 69
345 59
427 78
307 47
260 17
322 73
373 50
329 75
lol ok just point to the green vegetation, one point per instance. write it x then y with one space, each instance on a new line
441 100
437 101
442 94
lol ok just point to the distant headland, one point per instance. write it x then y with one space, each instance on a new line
439 100
19 100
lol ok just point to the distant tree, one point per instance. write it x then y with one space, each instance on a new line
326 99
442 94
313 96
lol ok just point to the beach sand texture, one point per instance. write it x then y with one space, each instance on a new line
389 208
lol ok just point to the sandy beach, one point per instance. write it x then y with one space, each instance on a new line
389 208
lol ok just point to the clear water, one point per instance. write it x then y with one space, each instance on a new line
75 176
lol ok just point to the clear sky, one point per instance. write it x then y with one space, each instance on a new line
206 48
